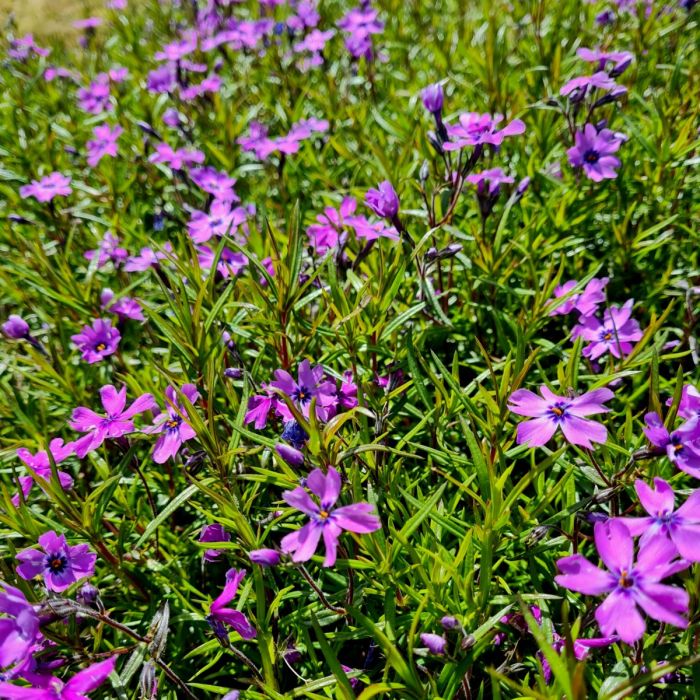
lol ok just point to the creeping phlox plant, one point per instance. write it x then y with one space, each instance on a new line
349 349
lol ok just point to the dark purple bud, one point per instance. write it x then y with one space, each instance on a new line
621 67
449 623
148 129
606 17
15 327
434 643
233 373
89 595
292 655
435 142
290 455
432 97
294 434
265 557
17 219
597 517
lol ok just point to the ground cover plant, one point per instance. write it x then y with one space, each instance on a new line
350 350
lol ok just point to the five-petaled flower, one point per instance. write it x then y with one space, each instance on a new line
59 564
325 519
629 584
172 426
220 614
681 446
568 413
97 341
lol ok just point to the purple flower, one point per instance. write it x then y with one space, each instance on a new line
230 262
325 520
681 526
689 405
173 428
621 59
178 49
265 557
220 221
597 81
19 629
435 643
52 688
327 232
108 249
384 201
103 144
628 584
586 303
213 533
40 464
147 258
490 180
477 129
552 412
432 97
116 423
15 327
163 79
59 564
292 456
50 186
310 385
97 341
616 333
681 446
215 183
219 614
21 48
164 153
359 24
594 153
259 408
94 99
582 648
125 308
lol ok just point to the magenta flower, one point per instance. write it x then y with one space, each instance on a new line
94 99
552 412
230 262
148 258
630 585
681 526
220 221
173 428
50 186
19 629
97 341
259 408
689 405
384 201
213 533
59 564
103 144
124 308
490 180
616 333
681 446
598 81
586 303
621 59
108 249
593 151
327 232
24 46
116 423
326 520
476 129
310 385
220 615
76 688
40 464
359 24
175 159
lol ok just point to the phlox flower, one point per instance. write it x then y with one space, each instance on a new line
116 423
124 308
326 520
103 144
552 412
75 688
682 446
57 562
689 405
593 151
681 526
221 220
620 59
41 466
327 232
586 303
175 159
16 328
24 46
215 183
50 186
630 585
94 99
19 626
220 615
598 81
97 341
148 258
476 129
259 407
172 426
213 533
108 249
309 385
616 333
383 201
490 180
230 262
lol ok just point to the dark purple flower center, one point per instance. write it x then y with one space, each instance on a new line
301 394
558 411
591 156
625 580
677 444
56 563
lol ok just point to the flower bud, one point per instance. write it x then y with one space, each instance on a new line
265 557
148 683
432 97
290 455
434 643
233 373
449 623
158 631
383 201
424 172
15 327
